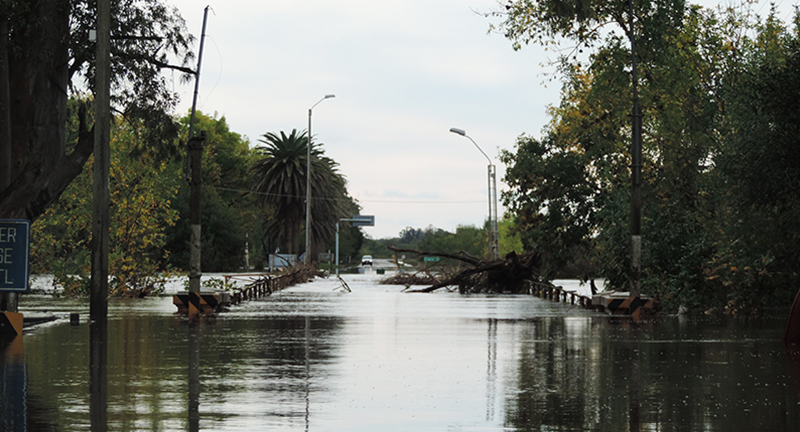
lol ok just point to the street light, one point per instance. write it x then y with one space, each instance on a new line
308 182
493 234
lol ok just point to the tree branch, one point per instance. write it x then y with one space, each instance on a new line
461 256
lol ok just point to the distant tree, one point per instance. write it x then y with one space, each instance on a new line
411 235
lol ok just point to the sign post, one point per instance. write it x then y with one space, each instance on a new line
357 221
14 254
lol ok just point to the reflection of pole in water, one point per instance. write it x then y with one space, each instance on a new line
194 375
635 382
13 386
308 371
98 374
491 368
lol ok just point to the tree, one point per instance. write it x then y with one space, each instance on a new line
279 177
553 199
710 95
756 262
44 51
280 182
142 209
231 214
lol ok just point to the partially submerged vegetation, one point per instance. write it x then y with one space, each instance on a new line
509 275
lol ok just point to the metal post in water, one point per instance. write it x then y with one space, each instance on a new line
337 248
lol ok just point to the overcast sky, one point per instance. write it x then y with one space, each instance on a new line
403 72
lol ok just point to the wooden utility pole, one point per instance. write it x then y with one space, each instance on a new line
636 175
8 300
195 153
98 356
102 161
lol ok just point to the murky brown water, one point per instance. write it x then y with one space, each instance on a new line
315 359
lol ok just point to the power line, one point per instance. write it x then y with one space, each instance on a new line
345 199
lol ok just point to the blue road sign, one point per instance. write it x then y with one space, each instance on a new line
14 253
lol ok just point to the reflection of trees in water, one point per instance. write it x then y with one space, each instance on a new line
552 379
614 375
261 359
278 360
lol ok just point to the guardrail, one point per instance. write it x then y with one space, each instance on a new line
266 284
559 294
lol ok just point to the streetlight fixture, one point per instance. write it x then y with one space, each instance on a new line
308 182
493 233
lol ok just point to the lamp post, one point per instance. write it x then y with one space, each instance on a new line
308 182
493 233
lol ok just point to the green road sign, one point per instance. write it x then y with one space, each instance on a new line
431 259
14 252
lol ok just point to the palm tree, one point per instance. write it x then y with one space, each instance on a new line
280 181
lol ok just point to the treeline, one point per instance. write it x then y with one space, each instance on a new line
150 228
720 93
466 238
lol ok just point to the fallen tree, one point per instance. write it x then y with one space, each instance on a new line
506 275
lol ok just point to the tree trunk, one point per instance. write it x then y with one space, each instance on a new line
38 82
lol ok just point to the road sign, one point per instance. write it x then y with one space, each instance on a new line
431 259
363 220
14 253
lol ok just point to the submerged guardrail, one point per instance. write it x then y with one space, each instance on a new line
260 285
559 294
265 284
613 303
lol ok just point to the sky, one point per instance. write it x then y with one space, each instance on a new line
403 73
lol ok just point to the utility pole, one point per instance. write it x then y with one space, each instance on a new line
194 154
8 300
102 161
98 355
636 174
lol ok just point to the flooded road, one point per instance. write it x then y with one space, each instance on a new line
312 358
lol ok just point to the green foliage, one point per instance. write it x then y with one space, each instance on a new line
47 58
552 199
141 197
351 240
509 240
231 215
466 238
720 96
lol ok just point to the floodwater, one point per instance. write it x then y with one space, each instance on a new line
313 358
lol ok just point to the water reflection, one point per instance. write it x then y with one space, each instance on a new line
98 374
194 374
375 359
491 369
13 384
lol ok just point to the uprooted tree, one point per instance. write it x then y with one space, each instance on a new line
508 275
